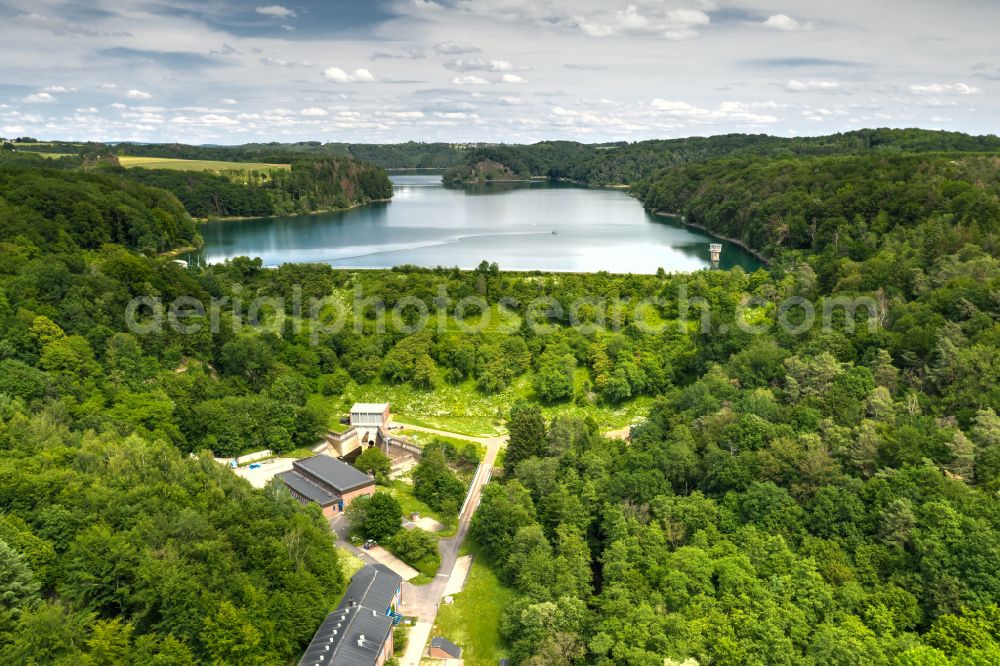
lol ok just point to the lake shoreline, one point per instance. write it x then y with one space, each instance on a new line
735 241
322 211
512 224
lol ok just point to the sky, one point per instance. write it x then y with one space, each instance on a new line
516 71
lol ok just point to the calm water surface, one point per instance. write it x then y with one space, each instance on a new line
521 226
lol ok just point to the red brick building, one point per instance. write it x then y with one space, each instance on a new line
331 483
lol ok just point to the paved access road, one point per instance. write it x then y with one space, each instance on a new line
422 601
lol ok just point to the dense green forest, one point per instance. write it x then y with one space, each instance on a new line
115 547
315 185
817 497
411 155
837 207
826 498
625 163
312 184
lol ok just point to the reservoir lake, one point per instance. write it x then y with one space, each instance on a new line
521 226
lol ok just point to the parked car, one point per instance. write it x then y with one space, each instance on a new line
371 543
345 420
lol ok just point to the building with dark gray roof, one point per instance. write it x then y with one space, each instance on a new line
359 632
442 648
355 636
332 473
374 586
329 482
311 492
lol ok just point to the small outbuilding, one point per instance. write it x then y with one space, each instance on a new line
442 648
370 414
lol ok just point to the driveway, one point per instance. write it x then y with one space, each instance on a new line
419 634
377 555
423 600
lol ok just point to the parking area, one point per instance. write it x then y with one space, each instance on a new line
262 472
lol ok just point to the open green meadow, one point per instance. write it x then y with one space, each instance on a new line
132 161
473 621
464 409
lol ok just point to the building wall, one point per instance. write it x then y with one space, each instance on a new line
360 492
438 653
387 651
343 443
370 418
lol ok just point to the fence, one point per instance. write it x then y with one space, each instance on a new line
472 484
257 455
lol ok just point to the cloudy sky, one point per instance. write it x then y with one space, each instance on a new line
224 71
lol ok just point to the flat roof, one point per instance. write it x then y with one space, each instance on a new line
372 586
338 640
334 473
308 489
369 407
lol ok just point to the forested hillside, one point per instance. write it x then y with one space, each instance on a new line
625 163
798 495
115 547
63 210
315 185
412 155
817 498
838 206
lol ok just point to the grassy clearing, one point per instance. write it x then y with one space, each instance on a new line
403 492
51 156
465 410
132 161
349 562
473 621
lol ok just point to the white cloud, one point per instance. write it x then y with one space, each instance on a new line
510 101
811 85
727 111
469 80
87 109
786 23
478 64
39 98
58 89
315 111
403 115
108 86
337 75
228 100
946 89
138 94
674 24
455 48
280 62
118 105
277 11
511 78
208 119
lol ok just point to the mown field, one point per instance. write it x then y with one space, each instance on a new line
132 161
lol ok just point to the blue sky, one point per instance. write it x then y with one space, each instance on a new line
221 71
